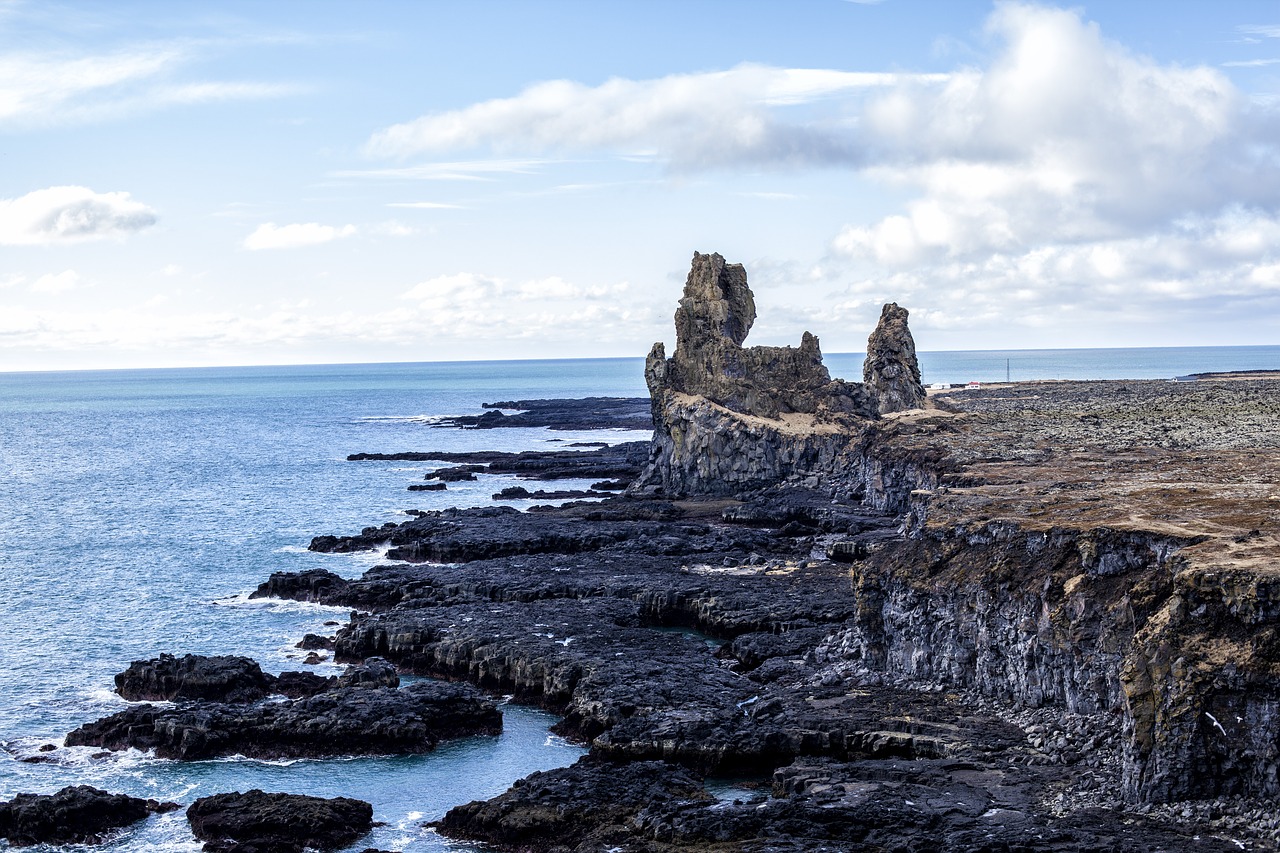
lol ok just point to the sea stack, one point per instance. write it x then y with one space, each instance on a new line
730 419
891 373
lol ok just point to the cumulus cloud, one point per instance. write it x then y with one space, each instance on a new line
1069 181
691 120
272 236
70 214
1064 137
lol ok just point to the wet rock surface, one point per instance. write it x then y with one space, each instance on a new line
344 720
560 414
223 678
622 460
78 814
258 822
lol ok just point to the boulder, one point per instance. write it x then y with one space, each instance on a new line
223 678
78 814
280 823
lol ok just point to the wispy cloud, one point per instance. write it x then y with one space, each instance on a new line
1251 63
464 170
272 236
425 205
70 214
766 196
60 87
691 120
1271 31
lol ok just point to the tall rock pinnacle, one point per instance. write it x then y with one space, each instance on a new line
891 373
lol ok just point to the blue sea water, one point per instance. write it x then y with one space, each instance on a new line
139 508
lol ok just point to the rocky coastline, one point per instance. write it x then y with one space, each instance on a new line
1039 617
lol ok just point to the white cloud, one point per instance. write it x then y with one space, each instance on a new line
464 170
1251 63
272 236
12 280
41 88
425 205
57 282
692 120
69 214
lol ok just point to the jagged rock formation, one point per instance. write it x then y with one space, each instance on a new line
730 419
891 373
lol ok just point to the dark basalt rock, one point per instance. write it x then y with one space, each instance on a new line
515 493
713 319
891 372
429 487
561 414
318 585
456 474
313 642
343 721
277 823
622 461
463 535
374 672
559 809
223 678
77 814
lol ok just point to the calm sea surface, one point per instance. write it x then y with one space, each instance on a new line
139 508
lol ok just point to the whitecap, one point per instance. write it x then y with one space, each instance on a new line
277 605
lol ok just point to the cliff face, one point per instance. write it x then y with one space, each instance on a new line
729 419
1057 555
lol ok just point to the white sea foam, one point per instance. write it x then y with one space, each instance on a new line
277 605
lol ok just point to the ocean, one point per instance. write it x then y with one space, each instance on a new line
138 508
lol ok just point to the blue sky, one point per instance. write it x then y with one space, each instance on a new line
292 182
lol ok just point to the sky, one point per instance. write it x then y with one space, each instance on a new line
188 184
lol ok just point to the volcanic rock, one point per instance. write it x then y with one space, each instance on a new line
277 823
223 678
77 814
891 373
343 721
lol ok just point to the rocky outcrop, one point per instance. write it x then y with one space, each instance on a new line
561 809
280 823
227 678
891 373
343 721
78 814
729 420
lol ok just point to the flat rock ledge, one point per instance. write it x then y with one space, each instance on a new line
78 814
228 678
343 721
258 822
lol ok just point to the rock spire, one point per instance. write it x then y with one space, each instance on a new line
891 373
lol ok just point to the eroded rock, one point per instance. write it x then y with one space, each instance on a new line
78 814
279 823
